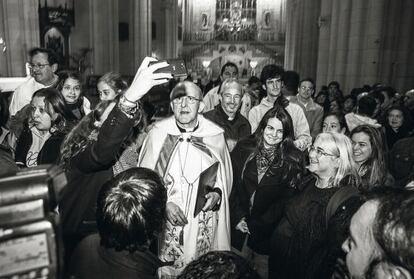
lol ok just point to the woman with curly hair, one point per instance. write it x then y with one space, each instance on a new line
48 122
266 168
93 147
368 153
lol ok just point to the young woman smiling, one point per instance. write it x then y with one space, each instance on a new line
368 153
266 168
70 86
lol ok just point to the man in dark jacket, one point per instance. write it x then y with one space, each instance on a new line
227 115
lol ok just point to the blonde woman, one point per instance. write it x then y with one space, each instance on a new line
300 242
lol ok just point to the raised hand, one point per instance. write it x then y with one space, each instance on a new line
145 79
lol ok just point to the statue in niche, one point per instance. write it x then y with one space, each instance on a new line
204 21
267 20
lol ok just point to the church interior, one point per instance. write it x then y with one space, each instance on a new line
353 42
289 85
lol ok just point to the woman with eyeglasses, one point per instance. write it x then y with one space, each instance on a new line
70 86
368 153
43 131
299 247
266 168
94 151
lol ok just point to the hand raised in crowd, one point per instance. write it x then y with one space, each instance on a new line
145 79
175 215
212 199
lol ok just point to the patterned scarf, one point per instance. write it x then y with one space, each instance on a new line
264 158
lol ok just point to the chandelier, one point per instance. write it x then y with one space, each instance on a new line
236 21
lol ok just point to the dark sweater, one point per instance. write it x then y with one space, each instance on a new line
91 260
236 129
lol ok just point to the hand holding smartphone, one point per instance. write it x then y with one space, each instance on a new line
176 67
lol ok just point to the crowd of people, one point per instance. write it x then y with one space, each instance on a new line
265 180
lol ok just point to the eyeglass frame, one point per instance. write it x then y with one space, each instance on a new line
38 66
320 152
190 100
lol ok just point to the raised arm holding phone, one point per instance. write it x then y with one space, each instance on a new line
91 149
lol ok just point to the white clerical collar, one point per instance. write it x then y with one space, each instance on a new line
187 130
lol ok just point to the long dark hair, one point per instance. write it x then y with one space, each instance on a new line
54 100
80 136
286 149
375 166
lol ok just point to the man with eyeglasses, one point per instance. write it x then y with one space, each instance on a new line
190 154
271 78
227 114
313 111
43 65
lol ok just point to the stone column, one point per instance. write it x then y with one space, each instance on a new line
103 24
141 31
19 28
170 38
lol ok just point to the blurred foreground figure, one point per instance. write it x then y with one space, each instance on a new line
219 264
130 213
381 239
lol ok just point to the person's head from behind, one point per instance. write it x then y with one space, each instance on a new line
43 65
70 86
306 88
291 81
367 146
229 70
387 93
366 106
48 108
271 78
254 83
334 122
330 157
110 85
274 128
131 210
231 93
219 265
380 244
186 102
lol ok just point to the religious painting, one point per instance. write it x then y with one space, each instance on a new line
204 21
55 40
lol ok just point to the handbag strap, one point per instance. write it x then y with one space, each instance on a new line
343 194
